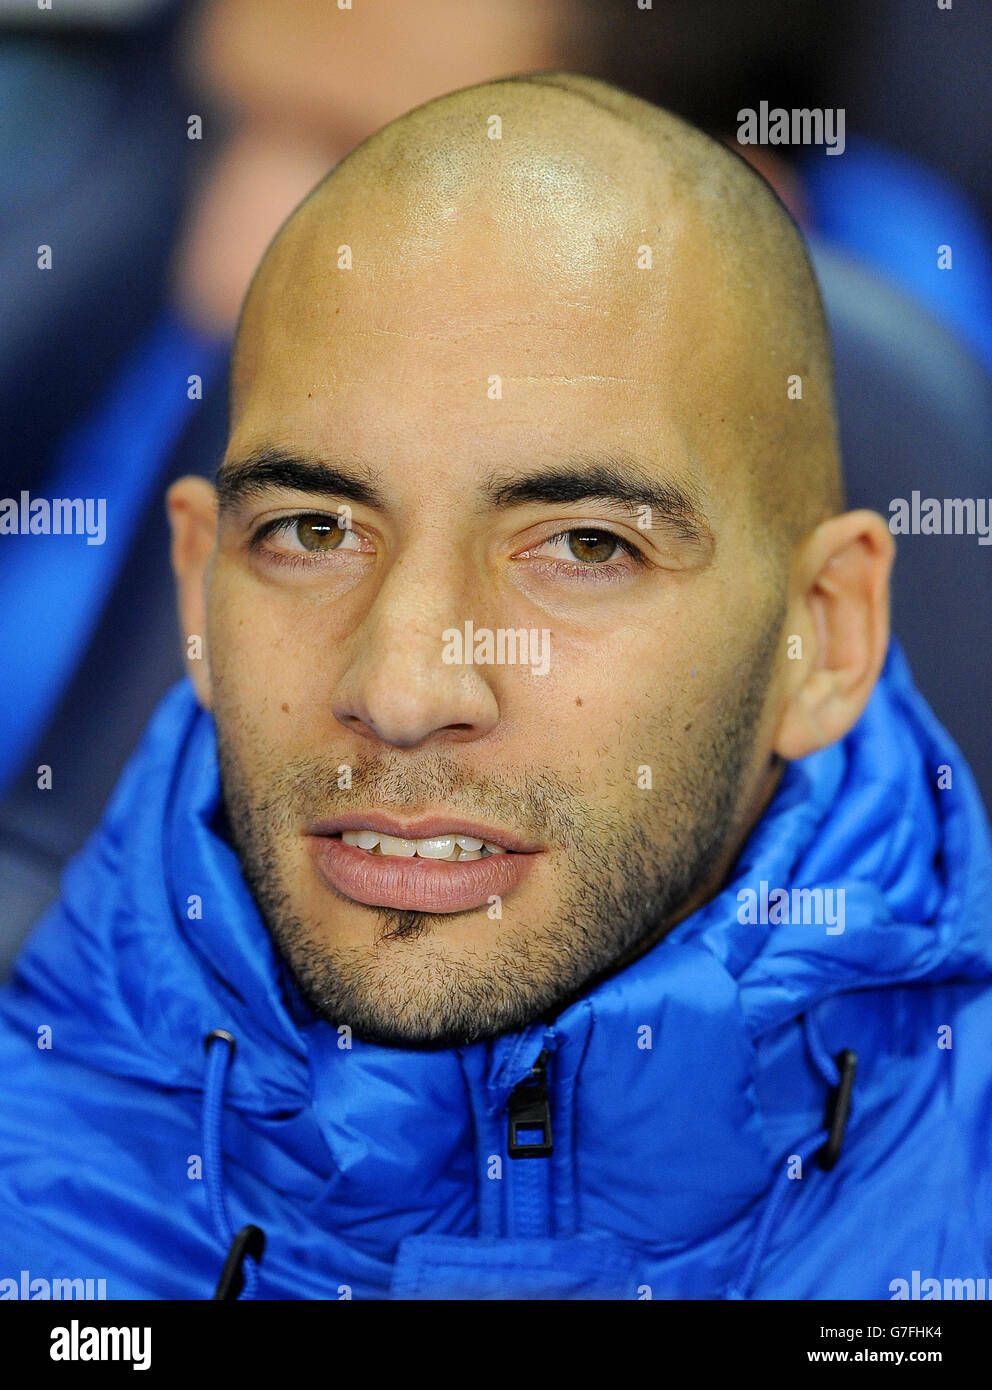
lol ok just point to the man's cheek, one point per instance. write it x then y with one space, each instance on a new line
242 645
630 726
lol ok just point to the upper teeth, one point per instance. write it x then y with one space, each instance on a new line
456 847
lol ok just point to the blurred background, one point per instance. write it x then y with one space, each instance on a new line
155 147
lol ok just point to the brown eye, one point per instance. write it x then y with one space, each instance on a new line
319 533
593 547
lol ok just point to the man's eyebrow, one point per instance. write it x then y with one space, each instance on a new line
616 479
270 467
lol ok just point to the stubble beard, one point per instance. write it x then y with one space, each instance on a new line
630 868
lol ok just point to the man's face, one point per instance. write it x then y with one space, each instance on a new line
475 393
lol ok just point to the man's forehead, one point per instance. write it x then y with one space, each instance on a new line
613 308
471 234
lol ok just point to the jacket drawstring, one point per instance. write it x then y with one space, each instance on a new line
239 1277
825 1144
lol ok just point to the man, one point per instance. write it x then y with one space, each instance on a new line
568 901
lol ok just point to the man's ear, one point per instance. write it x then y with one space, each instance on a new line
839 609
192 507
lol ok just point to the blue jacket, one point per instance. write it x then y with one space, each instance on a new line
687 1095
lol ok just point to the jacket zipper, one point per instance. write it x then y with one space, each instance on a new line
529 1208
529 1113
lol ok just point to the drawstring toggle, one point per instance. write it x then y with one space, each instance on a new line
838 1109
250 1240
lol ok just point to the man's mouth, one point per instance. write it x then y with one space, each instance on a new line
443 868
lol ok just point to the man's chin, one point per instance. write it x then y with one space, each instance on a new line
414 987
427 1024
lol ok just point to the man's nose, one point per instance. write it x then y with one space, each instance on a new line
396 686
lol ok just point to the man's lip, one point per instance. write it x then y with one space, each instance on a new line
420 885
424 828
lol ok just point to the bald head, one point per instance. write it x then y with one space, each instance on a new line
559 185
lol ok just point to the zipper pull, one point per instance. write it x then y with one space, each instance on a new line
529 1112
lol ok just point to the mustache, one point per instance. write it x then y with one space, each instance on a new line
538 803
